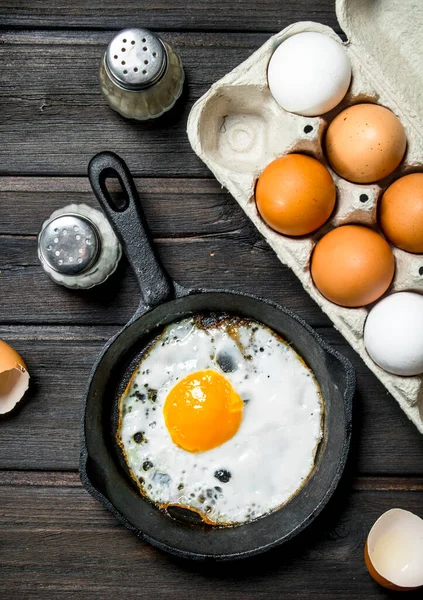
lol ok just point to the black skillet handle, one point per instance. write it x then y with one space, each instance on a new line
129 224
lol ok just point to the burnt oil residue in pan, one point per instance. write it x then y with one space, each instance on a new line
103 470
249 356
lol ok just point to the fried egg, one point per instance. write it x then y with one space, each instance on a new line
221 417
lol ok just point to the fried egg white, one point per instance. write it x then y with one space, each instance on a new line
220 417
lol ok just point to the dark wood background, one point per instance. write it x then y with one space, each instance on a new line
55 540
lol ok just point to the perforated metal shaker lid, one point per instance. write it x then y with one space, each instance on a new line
135 59
69 244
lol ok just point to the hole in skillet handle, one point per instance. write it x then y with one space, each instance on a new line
103 167
116 194
127 220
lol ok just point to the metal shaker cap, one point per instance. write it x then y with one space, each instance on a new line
135 59
69 244
77 247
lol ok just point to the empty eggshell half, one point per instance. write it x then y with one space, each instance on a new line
394 550
14 378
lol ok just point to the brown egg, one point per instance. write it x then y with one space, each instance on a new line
295 194
365 143
401 213
352 266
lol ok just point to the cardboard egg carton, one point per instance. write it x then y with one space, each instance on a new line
237 128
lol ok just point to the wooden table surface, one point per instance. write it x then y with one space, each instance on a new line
55 540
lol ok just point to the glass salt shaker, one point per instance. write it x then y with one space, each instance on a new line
141 76
77 247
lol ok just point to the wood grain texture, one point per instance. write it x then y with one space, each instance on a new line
54 118
57 542
203 238
173 207
211 261
266 15
43 432
361 483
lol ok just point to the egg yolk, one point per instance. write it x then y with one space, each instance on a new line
202 411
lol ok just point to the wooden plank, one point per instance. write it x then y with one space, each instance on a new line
44 478
388 484
206 233
57 542
203 236
72 479
266 15
237 260
43 432
173 207
54 117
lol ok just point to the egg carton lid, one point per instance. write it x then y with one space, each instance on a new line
386 35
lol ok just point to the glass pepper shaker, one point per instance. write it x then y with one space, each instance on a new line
141 76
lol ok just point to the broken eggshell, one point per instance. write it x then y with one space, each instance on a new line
394 550
14 378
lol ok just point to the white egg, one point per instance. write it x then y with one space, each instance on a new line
271 454
393 333
309 74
